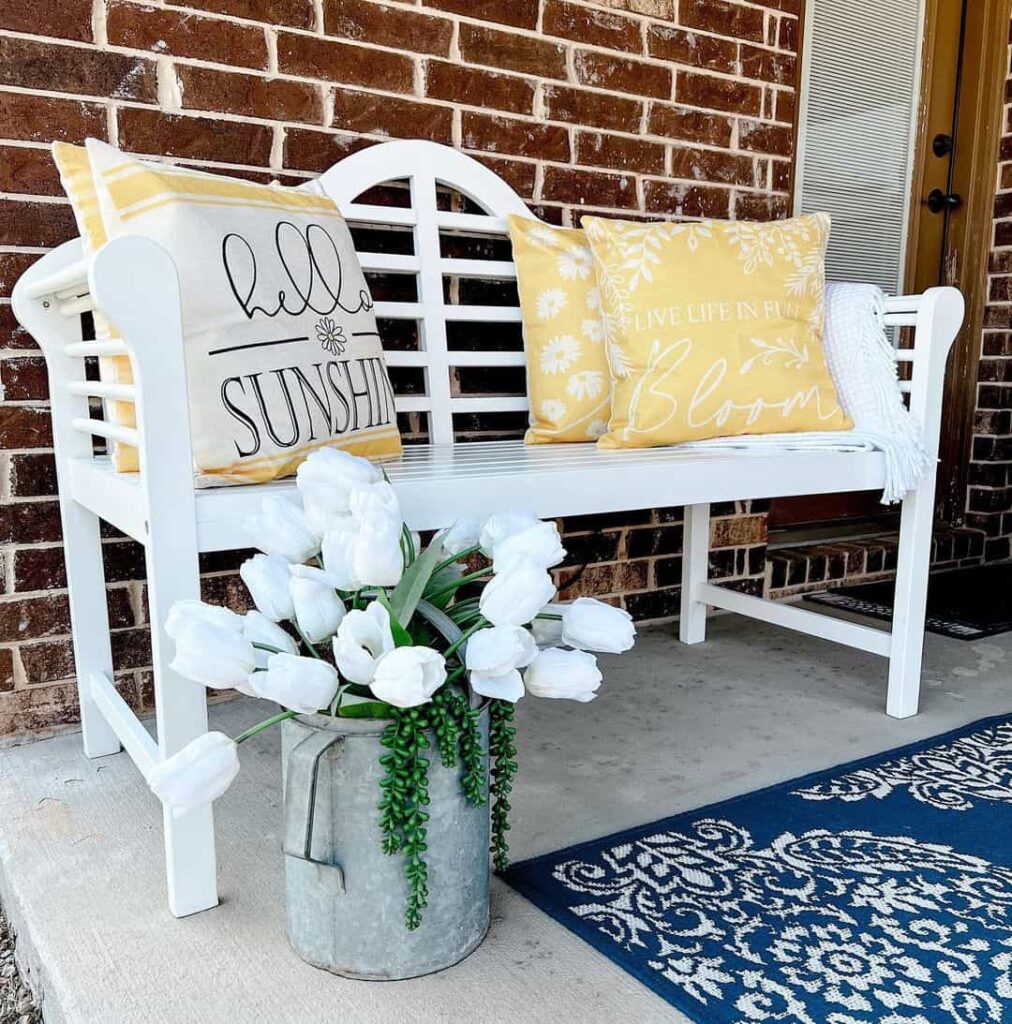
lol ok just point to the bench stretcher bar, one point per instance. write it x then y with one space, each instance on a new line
136 740
840 631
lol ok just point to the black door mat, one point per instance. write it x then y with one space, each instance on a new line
966 604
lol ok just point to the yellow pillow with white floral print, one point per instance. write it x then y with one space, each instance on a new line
714 328
568 383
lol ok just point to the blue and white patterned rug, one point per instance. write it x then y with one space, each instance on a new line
879 891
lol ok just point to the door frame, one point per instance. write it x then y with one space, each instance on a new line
979 130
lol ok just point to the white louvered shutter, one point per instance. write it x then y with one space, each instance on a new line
857 127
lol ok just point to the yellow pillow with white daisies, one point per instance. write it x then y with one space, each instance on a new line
714 328
568 383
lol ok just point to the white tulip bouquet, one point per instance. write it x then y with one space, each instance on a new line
376 626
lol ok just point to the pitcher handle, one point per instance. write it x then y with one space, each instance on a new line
300 797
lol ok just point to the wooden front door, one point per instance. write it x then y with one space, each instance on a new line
955 178
952 190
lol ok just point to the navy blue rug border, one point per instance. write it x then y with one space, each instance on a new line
669 993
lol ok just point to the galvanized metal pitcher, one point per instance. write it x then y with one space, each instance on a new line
344 896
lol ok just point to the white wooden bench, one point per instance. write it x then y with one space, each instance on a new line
133 282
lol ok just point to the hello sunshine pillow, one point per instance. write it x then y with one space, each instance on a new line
568 383
714 328
282 351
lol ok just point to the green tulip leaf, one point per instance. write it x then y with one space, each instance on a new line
402 638
406 595
366 709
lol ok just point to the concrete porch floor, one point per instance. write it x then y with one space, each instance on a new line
81 871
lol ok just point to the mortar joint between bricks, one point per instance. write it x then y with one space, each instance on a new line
98 23
138 604
454 54
271 42
571 75
277 155
457 129
328 99
169 91
19 673
112 124
539 112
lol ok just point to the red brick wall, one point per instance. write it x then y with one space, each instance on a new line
650 107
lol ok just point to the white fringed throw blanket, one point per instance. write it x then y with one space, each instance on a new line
860 359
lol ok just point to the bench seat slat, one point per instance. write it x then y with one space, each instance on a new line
439 482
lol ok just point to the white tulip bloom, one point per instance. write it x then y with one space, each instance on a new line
508 686
267 578
462 535
318 609
409 676
363 637
360 554
562 674
540 542
591 625
197 774
182 613
515 596
379 559
313 572
498 650
299 684
497 528
339 544
217 656
371 502
326 479
281 529
259 629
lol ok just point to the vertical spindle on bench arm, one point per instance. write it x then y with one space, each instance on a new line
939 316
82 541
134 281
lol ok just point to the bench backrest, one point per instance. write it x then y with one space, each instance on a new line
434 175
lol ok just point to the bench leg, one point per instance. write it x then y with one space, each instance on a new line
181 708
913 564
695 570
89 617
